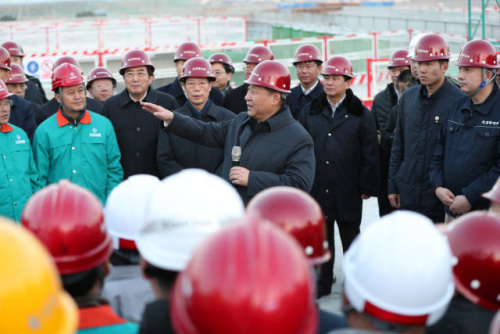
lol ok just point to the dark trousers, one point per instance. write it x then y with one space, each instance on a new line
384 205
348 231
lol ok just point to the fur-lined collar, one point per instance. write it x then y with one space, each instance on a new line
351 103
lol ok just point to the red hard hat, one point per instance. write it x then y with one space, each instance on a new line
475 243
271 74
298 214
135 58
69 221
478 53
187 51
4 92
221 58
13 48
100 73
494 194
258 54
17 75
399 58
248 278
431 47
197 68
4 59
68 60
338 65
307 52
66 75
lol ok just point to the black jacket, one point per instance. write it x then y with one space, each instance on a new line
467 158
32 93
298 100
175 89
176 153
50 108
384 108
22 114
420 119
235 99
156 318
39 87
137 130
278 151
347 157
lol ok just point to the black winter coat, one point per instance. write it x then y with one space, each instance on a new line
175 89
50 108
298 100
176 153
384 108
279 152
137 130
347 157
22 114
235 99
419 121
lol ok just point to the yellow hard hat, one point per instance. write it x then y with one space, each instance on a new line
32 299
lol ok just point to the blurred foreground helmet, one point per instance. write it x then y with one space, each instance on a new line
271 74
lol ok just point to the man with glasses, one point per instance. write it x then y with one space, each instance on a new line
223 69
137 130
176 153
101 84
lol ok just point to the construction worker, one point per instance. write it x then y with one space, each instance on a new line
33 300
22 112
251 277
397 276
34 90
173 231
137 131
235 99
384 108
19 177
72 229
175 153
17 81
101 84
223 69
466 162
125 287
274 149
184 52
75 143
307 62
51 107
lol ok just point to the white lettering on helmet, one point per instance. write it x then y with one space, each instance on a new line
134 58
198 69
422 51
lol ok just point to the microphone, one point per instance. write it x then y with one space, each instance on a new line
236 155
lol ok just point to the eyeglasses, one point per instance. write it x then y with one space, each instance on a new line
5 104
139 74
101 86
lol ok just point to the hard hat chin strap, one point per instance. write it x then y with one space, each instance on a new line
484 82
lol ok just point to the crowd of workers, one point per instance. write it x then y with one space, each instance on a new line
202 208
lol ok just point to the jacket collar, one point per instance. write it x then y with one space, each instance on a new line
351 104
125 97
485 107
62 121
276 121
6 128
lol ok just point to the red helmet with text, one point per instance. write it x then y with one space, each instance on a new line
478 53
298 214
135 58
399 58
66 75
431 47
187 50
66 60
221 58
14 49
338 65
494 194
248 278
271 74
474 241
197 68
17 75
399 271
4 59
100 73
4 92
69 221
307 52
258 54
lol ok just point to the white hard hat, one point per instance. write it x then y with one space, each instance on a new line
399 270
413 43
184 210
126 206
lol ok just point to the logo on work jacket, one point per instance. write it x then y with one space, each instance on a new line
94 133
489 123
19 141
